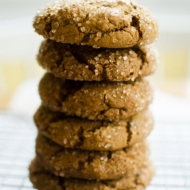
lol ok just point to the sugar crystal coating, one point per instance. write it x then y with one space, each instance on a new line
95 100
88 129
85 63
90 164
111 24
44 180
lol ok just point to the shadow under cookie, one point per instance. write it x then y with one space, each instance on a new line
95 100
86 63
44 180
74 132
90 164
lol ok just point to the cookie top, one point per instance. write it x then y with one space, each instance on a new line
77 133
89 164
95 100
97 23
86 63
44 180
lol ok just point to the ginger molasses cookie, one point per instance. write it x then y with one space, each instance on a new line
95 100
97 23
44 180
86 63
77 133
89 164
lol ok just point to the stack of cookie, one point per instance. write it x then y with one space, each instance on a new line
94 116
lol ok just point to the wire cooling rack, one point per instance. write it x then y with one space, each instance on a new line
170 146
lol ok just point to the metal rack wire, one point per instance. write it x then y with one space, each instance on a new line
170 146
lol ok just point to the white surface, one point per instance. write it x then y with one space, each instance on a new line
168 107
26 99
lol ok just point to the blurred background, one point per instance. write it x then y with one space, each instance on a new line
19 45
20 74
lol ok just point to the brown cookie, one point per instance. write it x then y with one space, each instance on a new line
89 64
74 132
95 100
89 164
44 180
98 23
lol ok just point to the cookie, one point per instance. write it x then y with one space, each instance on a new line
99 23
89 164
86 63
77 133
95 100
44 180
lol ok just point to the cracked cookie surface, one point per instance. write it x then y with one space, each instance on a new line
103 165
99 23
89 64
95 100
74 132
44 180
